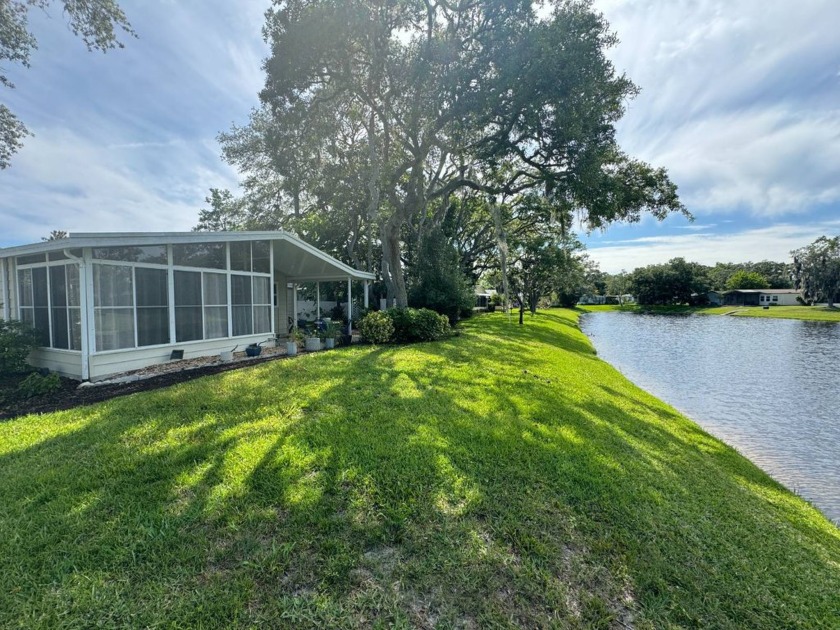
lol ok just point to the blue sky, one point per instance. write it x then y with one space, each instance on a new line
740 101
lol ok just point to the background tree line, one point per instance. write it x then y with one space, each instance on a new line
814 271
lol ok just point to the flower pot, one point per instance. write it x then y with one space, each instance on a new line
329 343
312 344
291 348
253 351
226 356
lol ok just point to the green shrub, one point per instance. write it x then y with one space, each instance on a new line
418 324
17 340
376 327
36 385
429 326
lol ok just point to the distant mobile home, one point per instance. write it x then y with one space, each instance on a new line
761 297
109 303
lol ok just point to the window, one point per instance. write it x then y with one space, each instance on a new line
66 310
154 254
31 259
262 304
210 255
240 256
775 298
188 316
250 256
58 308
152 299
251 304
242 302
34 301
74 306
215 306
52 294
113 302
261 256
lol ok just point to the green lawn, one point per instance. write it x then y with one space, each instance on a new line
504 477
815 313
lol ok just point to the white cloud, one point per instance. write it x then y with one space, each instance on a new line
739 99
70 182
771 243
126 141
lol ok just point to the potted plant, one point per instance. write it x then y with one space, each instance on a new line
312 342
295 338
330 333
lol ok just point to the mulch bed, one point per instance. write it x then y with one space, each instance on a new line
70 395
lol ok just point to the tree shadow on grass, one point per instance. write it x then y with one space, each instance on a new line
460 483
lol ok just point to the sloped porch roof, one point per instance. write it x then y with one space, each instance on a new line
298 259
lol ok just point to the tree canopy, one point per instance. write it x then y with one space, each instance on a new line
96 22
743 279
817 270
676 282
392 120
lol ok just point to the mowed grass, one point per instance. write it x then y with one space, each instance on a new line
813 313
506 477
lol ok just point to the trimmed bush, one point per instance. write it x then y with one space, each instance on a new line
17 340
429 325
418 324
377 327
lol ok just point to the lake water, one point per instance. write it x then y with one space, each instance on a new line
768 387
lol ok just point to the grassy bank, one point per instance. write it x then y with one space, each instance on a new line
504 477
813 313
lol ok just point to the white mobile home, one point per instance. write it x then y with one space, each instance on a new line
779 297
108 303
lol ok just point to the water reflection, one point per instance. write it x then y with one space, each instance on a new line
768 387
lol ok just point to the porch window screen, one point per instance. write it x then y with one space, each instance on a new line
250 256
152 294
215 306
242 301
65 307
262 304
52 294
208 255
251 304
34 301
188 306
113 302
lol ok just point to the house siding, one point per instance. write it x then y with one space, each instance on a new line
782 299
66 362
105 364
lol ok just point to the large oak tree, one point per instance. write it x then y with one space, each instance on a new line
407 108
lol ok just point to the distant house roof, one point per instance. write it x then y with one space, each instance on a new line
777 291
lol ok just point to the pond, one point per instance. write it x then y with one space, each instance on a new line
768 387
